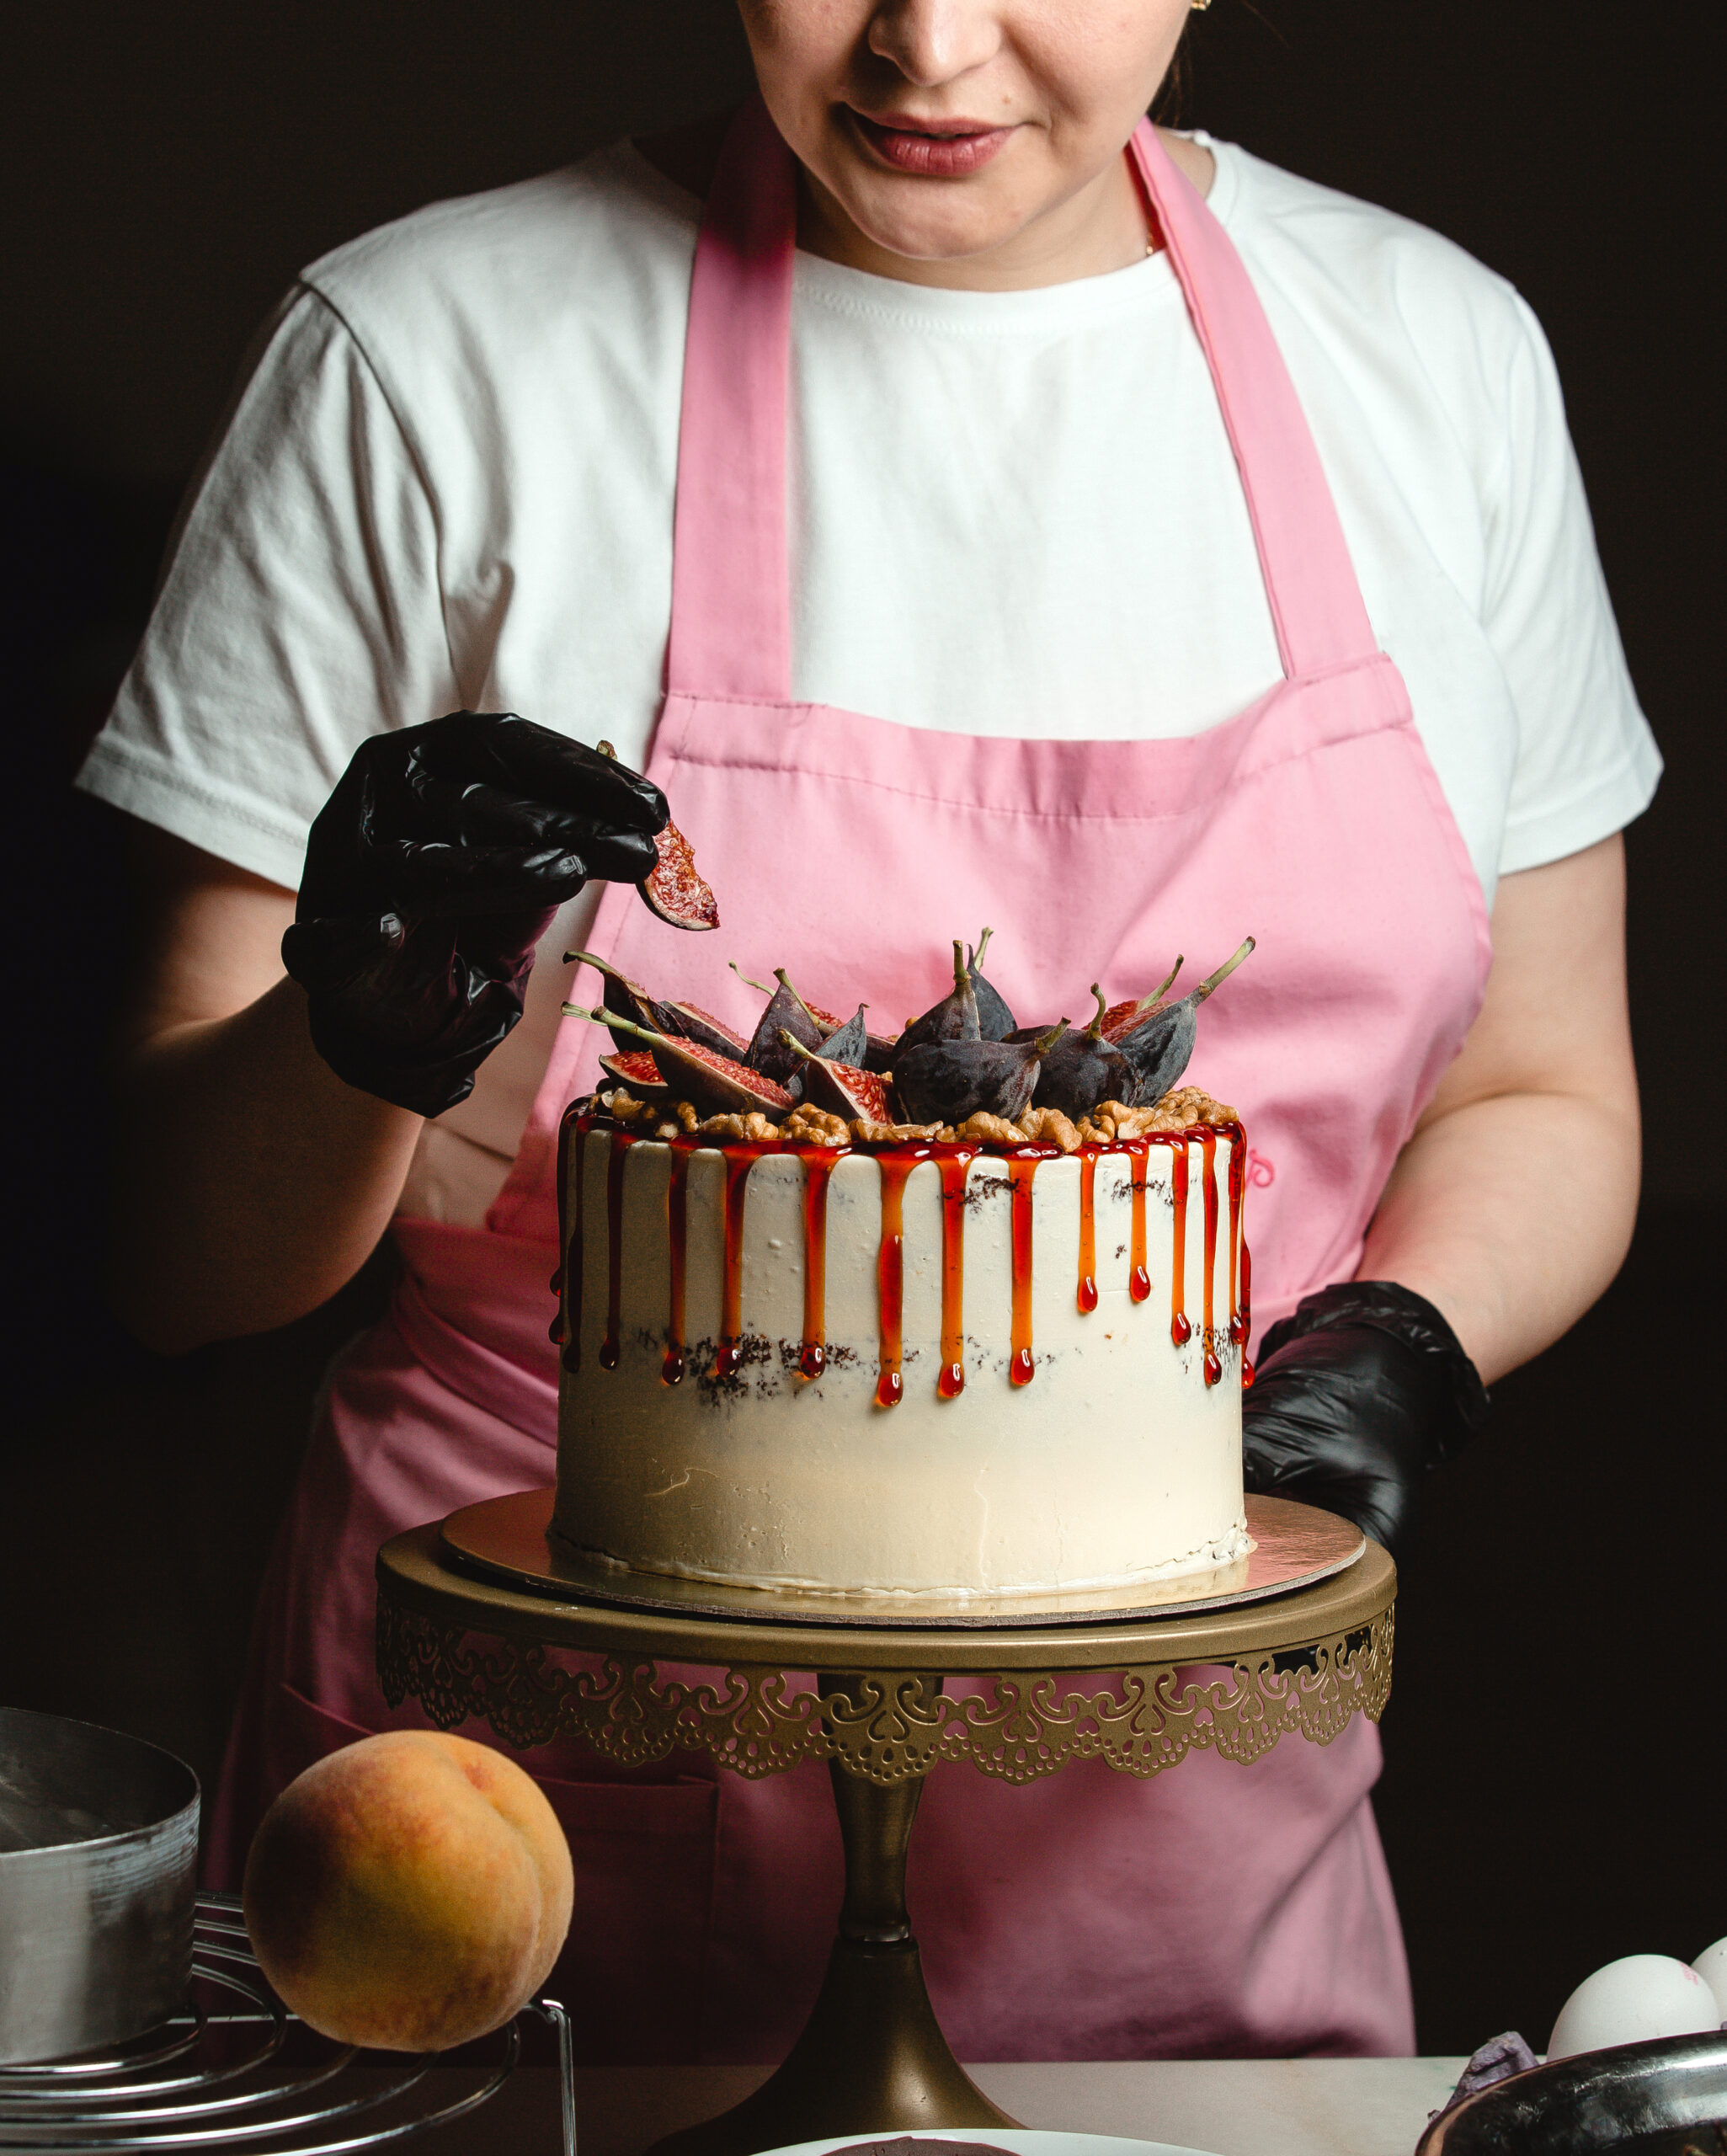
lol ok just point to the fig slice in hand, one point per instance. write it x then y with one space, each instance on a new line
1084 1069
1160 1048
841 1088
954 1018
995 1022
1123 1018
946 1081
712 1082
675 888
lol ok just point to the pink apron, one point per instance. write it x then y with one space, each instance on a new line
1216 1909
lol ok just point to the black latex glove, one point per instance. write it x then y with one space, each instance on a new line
431 873
1354 1398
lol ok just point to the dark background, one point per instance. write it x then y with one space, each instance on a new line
1552 1793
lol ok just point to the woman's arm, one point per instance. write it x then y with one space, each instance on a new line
250 1182
1511 1208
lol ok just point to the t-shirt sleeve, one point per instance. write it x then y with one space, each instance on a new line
1586 761
301 611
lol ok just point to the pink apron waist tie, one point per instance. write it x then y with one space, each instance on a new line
474 1308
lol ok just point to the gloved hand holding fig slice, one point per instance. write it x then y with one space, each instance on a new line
431 873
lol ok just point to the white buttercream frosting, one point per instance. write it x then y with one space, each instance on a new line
1116 1463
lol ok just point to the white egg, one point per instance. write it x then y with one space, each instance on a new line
1711 1965
1631 2002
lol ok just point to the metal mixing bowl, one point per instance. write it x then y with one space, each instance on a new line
1638 2100
99 1850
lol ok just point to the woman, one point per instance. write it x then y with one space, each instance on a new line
1141 490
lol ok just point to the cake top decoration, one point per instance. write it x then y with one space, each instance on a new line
964 1069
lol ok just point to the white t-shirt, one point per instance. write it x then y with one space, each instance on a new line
449 482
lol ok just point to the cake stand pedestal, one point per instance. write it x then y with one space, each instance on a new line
470 1612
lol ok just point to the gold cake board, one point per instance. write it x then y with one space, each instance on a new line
512 1539
468 1610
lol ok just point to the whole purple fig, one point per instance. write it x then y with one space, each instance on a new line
946 1081
954 1018
995 1022
1084 1069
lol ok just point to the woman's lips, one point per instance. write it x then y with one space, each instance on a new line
946 152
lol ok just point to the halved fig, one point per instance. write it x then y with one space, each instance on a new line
713 1083
691 1023
1160 1048
627 998
638 1073
841 1088
786 1013
676 890
1123 1018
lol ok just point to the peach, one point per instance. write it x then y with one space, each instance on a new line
411 1892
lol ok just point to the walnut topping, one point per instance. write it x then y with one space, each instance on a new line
989 1130
624 1108
814 1126
752 1129
899 1134
1111 1122
1050 1127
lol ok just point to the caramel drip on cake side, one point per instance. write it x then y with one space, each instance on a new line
728 1357
566 1281
818 1171
1139 1152
1085 1295
611 1345
1208 1150
1180 1331
671 1370
955 1168
890 1277
1021 1168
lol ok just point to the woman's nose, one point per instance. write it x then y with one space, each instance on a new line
934 41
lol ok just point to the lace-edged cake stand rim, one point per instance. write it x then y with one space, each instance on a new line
872 2058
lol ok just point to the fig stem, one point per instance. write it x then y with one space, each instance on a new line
1045 1042
588 958
611 1018
961 972
983 946
1094 1032
1148 1004
797 1046
760 987
1223 973
780 976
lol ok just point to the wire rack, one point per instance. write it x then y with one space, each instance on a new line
236 2069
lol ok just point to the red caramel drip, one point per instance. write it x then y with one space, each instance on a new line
890 1273
671 1370
567 1326
1138 1276
818 1167
1180 1331
621 1142
1241 1324
1208 1149
1238 1323
1087 1294
1021 1168
955 1164
728 1357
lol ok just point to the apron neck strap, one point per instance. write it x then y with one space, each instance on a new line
1316 603
731 628
731 633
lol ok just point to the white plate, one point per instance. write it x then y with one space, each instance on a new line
1021 2140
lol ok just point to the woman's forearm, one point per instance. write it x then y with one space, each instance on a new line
1512 1214
250 1182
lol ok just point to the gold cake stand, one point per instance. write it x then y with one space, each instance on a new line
1295 1640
